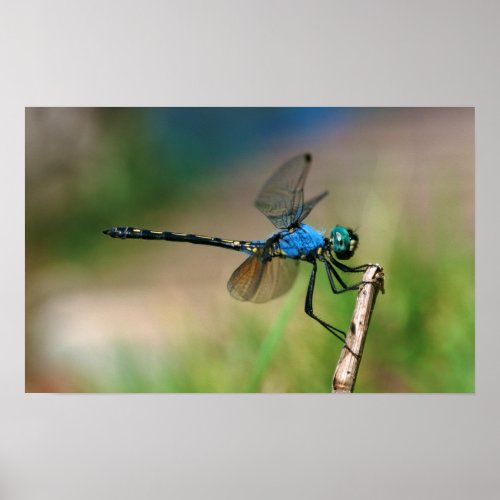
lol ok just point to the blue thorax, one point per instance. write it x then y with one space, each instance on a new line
296 242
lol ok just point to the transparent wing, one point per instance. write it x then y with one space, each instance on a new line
281 199
310 204
259 281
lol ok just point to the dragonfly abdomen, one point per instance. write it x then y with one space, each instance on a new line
197 239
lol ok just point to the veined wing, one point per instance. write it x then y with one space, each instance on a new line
281 199
310 204
259 281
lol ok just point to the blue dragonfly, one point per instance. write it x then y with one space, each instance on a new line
271 266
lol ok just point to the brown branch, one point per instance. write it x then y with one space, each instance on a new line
346 372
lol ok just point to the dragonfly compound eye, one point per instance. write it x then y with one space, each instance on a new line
344 242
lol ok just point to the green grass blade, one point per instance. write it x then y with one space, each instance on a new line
271 341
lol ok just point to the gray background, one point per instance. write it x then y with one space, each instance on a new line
386 53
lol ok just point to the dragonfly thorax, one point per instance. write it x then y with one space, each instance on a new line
344 242
299 242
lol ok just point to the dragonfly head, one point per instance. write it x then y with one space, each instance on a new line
344 242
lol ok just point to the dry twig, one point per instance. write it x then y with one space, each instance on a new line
346 372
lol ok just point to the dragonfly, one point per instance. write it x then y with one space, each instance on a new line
272 264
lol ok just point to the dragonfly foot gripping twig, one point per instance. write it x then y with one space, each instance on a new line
347 368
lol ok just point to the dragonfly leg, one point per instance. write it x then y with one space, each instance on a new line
348 269
309 306
330 270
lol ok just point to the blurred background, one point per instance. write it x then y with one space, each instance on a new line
107 315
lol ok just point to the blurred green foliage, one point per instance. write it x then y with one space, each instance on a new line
420 340
421 336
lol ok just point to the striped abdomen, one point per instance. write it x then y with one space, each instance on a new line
146 234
